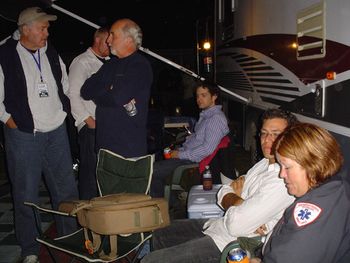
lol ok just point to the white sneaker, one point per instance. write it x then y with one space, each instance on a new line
31 259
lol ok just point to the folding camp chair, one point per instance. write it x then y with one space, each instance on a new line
221 166
114 174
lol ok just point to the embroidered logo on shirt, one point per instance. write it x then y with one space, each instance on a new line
306 213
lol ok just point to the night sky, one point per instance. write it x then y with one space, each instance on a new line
166 24
169 29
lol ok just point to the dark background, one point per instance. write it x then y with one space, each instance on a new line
166 24
169 29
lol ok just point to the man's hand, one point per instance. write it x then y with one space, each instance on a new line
231 199
261 230
234 199
237 185
174 154
90 122
11 123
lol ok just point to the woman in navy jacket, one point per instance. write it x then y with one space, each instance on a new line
316 227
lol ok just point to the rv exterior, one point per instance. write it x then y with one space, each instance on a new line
289 54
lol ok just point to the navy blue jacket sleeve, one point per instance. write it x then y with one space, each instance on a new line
325 239
99 84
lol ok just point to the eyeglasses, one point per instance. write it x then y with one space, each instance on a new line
264 135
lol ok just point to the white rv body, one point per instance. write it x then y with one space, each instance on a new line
277 53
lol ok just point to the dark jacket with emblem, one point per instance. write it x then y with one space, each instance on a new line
116 83
324 239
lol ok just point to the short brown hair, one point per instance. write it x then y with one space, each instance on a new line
279 114
212 88
312 147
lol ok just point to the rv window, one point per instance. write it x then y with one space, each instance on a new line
311 32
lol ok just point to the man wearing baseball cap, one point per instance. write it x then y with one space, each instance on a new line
33 107
34 14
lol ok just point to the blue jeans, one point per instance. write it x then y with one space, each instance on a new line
183 241
29 156
161 171
87 168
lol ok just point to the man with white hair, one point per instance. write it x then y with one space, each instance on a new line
33 107
121 90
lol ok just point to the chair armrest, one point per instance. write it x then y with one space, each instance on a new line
176 179
227 249
249 244
36 208
177 174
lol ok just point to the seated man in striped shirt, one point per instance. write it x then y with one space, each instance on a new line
208 132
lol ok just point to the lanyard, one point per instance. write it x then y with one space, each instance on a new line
37 62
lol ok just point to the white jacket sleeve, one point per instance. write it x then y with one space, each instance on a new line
78 73
4 116
224 190
265 205
64 80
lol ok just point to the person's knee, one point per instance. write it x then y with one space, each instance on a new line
148 258
155 256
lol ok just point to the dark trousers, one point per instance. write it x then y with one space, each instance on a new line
183 241
87 169
161 171
29 155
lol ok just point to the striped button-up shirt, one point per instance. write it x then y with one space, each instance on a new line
208 132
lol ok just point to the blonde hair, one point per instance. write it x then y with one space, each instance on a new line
312 147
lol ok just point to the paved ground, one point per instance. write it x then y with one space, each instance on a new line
9 249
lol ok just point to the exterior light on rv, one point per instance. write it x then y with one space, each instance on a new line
294 45
331 75
206 45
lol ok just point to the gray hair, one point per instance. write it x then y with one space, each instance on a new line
20 27
131 29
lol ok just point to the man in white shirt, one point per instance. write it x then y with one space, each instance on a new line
83 111
253 203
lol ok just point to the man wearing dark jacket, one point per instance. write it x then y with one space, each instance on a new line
121 90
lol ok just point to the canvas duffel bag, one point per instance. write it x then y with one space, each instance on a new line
117 214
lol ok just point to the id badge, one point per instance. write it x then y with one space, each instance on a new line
42 90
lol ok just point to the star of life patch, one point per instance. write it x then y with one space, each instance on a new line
306 213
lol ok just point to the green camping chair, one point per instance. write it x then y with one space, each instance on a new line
114 174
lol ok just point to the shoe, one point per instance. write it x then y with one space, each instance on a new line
31 259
